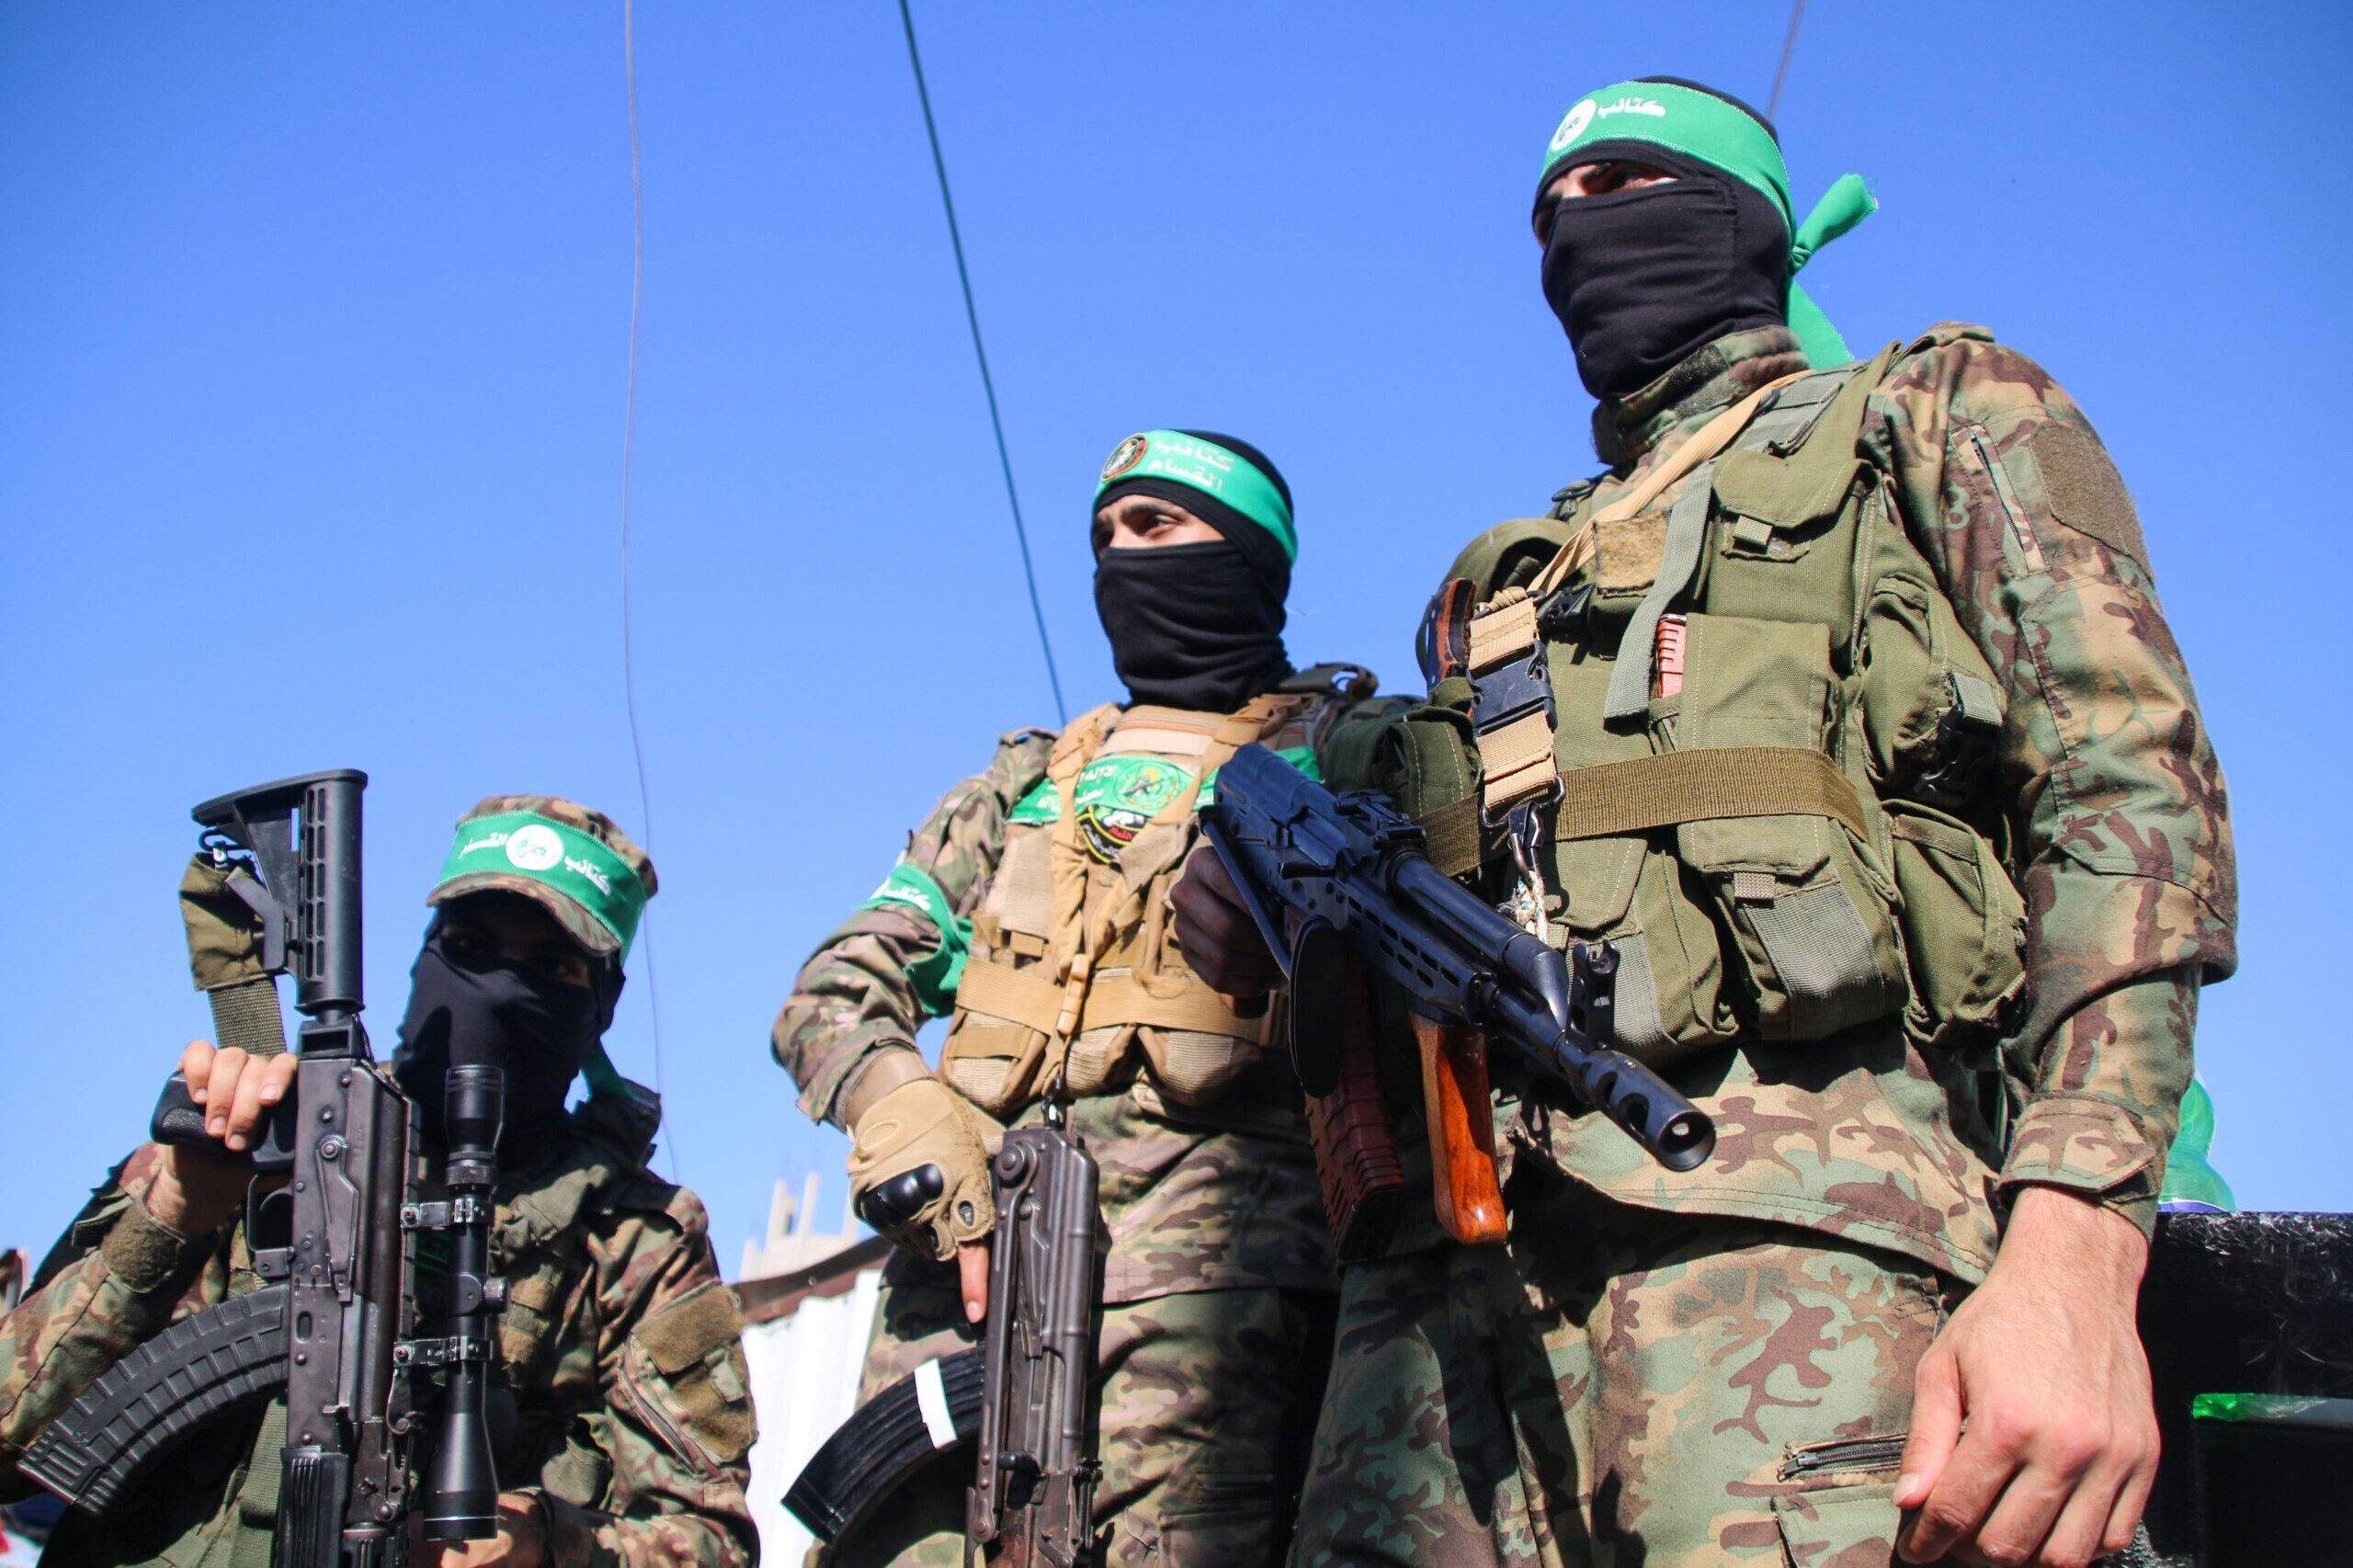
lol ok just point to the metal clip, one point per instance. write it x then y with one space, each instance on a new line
1524 830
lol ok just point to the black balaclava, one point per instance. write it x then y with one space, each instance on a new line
1645 278
466 1011
1198 626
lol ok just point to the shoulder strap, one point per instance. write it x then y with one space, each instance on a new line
1710 439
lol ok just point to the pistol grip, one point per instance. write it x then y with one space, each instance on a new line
1461 1108
179 1120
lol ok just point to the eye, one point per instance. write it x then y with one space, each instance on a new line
465 943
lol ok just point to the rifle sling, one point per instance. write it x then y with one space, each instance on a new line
257 1496
245 1016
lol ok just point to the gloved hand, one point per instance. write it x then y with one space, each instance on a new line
919 1167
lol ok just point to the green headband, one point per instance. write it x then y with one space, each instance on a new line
557 856
1218 472
1703 126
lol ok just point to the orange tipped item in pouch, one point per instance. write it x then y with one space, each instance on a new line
1666 661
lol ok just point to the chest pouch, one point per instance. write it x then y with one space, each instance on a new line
1075 979
1716 817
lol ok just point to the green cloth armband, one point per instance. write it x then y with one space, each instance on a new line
935 976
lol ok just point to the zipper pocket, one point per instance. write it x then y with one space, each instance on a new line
2029 546
1842 1456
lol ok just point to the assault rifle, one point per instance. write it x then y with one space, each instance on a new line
1023 1399
329 1218
1341 891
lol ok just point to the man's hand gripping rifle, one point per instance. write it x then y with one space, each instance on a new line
328 1217
1339 888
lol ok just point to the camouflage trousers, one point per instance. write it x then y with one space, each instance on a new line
1621 1386
1206 1401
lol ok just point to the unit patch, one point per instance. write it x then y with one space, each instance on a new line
1124 456
1117 795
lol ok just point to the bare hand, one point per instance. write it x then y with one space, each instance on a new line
1214 928
521 1541
2034 1440
197 1187
973 1277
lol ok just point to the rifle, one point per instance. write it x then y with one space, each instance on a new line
329 1218
1023 1399
1033 1487
1341 891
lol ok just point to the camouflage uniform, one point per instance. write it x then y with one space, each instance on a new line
631 1416
1217 1285
1673 1369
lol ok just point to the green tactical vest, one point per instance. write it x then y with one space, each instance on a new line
1800 839
237 1510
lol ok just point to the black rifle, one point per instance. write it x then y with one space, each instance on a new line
330 1333
1340 889
1023 1399
1033 1484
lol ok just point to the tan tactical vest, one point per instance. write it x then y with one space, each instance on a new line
1073 972
1748 737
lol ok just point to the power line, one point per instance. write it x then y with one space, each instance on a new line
628 456
1789 47
988 384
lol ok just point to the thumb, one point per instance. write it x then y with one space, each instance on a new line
1936 1429
972 1275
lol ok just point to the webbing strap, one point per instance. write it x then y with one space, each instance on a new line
1026 997
1686 534
257 1496
1615 798
1029 998
246 1015
1125 999
1450 836
1712 437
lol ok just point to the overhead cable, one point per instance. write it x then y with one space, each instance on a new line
628 455
1789 47
988 384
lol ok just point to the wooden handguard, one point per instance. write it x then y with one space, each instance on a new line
1356 1156
1460 1102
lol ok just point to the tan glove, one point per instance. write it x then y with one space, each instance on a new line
919 1167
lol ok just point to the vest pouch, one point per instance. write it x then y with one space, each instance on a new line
1805 901
1932 711
1633 889
992 1062
1964 932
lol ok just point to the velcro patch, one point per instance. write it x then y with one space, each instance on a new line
691 1327
1628 552
2087 493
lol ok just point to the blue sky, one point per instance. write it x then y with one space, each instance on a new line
313 324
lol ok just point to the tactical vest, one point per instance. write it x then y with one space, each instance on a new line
1741 735
1074 975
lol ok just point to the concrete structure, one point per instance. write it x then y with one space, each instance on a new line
808 1298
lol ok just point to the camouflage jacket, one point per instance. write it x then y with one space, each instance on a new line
2116 831
1223 1198
622 1370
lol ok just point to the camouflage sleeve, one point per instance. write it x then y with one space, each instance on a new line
2120 836
678 1424
116 1280
894 963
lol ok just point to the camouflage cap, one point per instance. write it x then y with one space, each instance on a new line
576 863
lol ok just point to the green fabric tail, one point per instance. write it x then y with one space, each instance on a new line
1846 203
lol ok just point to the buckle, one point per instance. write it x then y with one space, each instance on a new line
1510 691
